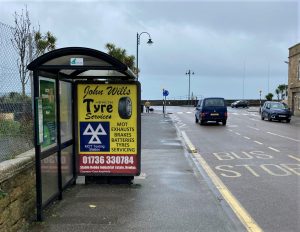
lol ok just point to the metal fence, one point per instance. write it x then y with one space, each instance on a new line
16 120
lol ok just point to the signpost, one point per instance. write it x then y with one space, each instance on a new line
165 94
107 129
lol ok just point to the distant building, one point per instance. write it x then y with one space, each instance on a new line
294 79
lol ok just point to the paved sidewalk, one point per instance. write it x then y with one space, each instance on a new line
170 195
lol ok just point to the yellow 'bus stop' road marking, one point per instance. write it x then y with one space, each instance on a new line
235 205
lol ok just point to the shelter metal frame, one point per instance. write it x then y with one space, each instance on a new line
96 67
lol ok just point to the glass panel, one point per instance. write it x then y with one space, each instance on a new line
66 111
298 100
298 71
278 105
214 102
87 61
48 95
67 71
101 73
66 164
49 177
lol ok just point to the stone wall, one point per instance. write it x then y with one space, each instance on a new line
17 192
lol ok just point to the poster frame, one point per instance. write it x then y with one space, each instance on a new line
138 125
54 83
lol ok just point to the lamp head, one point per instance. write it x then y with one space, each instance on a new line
150 41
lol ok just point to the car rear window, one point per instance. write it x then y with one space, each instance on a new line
214 102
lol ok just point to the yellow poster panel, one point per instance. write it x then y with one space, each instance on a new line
107 119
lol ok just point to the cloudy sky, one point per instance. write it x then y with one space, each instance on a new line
235 48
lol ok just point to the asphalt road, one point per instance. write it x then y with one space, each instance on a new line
258 161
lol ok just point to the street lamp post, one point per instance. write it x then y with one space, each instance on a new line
138 36
268 78
244 75
189 73
260 101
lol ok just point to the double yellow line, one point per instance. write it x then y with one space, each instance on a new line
235 205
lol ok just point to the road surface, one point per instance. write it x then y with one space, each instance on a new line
257 161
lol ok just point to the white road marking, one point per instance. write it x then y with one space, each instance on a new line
258 142
296 140
232 125
230 130
188 112
254 128
273 149
246 137
237 133
293 157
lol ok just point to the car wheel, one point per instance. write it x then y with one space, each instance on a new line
196 119
202 122
224 122
288 120
262 116
269 118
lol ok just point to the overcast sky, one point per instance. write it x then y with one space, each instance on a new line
235 48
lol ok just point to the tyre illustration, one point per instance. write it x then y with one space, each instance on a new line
125 107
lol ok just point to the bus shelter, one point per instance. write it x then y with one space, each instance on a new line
87 120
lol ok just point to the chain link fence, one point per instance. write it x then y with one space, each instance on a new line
16 119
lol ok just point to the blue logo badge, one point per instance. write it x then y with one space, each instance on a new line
94 136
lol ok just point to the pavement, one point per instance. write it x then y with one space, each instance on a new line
169 195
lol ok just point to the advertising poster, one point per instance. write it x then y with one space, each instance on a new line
40 121
47 93
107 128
66 122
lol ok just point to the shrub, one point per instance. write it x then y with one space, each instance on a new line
26 128
8 127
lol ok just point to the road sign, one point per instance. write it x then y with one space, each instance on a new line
165 92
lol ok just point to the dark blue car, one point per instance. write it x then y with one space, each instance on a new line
276 111
211 109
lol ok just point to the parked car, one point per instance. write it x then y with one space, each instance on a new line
240 103
211 109
276 111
